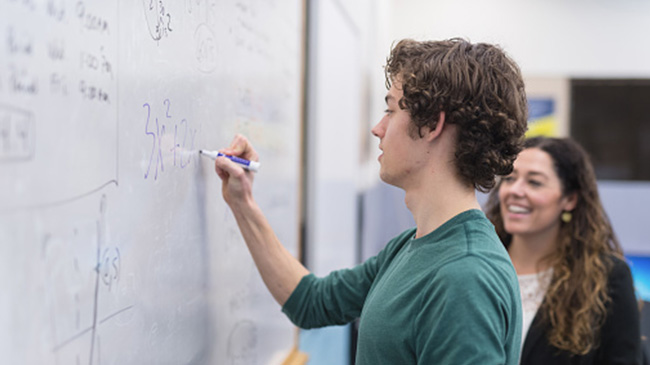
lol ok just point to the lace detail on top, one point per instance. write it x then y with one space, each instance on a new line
532 288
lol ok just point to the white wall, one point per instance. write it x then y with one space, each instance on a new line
578 38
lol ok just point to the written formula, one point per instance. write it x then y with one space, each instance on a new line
91 22
159 20
169 136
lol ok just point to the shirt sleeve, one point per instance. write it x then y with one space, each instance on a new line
469 316
338 297
333 300
621 333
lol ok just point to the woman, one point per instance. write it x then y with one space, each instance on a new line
578 299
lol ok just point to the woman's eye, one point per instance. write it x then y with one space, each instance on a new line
535 183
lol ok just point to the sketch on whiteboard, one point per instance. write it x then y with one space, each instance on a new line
242 343
83 269
205 48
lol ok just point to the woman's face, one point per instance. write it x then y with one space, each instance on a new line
531 196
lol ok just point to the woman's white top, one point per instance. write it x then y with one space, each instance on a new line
532 288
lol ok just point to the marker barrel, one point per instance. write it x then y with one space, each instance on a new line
246 164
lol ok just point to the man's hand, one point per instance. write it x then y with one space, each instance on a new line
237 183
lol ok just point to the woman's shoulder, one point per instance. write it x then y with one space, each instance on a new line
620 276
619 266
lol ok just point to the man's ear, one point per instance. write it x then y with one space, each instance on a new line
432 134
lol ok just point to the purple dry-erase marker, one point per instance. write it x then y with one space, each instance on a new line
248 165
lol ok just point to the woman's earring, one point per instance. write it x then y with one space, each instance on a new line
566 217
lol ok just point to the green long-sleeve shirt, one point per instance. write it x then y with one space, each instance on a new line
450 297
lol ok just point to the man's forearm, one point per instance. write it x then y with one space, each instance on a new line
279 269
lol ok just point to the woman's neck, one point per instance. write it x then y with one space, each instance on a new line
528 252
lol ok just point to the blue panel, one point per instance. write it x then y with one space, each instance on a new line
540 107
640 266
326 346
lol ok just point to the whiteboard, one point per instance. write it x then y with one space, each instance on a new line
115 244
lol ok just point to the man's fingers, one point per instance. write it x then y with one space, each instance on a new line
227 167
223 175
241 147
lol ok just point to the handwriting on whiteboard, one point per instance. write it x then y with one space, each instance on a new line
90 21
169 135
159 20
25 51
16 133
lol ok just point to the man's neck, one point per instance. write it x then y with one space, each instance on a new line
436 193
437 202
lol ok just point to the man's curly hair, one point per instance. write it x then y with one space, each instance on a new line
478 87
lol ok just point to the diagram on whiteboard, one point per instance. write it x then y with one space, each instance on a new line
84 287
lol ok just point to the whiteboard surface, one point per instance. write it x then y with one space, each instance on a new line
115 244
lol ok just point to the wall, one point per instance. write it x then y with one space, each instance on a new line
547 38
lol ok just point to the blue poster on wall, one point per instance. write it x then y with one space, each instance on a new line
542 120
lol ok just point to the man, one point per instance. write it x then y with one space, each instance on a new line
444 292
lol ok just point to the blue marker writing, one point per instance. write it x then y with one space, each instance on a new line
248 165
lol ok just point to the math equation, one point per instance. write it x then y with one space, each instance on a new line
171 138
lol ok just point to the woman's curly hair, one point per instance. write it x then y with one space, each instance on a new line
478 87
575 304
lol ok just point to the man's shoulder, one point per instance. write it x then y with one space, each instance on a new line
401 239
471 263
472 270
